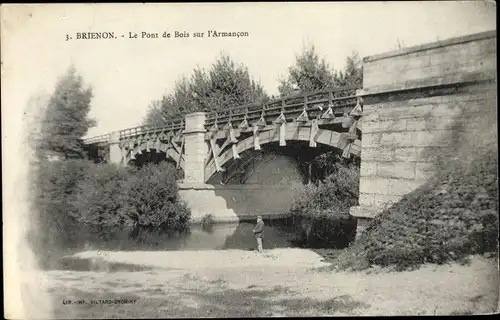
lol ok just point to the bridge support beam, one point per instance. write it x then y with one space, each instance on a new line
115 153
195 148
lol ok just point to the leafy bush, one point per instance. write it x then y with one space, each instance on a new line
113 199
322 211
207 222
99 200
452 216
151 199
336 194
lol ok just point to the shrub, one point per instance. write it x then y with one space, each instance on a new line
100 198
322 211
336 195
113 199
452 216
151 199
207 222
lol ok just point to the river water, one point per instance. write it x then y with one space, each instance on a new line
280 233
277 234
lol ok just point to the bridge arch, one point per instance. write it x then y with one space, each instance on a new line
170 153
294 132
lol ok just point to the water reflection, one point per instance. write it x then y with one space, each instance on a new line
277 234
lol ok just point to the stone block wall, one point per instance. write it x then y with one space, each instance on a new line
233 203
424 107
195 148
115 153
269 190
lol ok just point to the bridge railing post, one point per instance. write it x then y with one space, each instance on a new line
195 148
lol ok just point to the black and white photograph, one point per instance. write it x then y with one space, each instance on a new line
249 159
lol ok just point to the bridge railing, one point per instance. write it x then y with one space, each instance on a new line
337 98
98 139
312 102
174 124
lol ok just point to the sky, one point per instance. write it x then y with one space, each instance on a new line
127 74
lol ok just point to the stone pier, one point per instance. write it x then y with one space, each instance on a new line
423 107
196 148
115 152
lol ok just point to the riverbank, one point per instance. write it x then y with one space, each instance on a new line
274 284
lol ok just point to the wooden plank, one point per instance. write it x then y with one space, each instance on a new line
282 134
347 121
261 122
313 132
175 146
180 154
328 114
156 145
224 145
178 136
347 151
216 159
244 124
235 152
149 145
280 119
163 147
256 144
303 117
232 136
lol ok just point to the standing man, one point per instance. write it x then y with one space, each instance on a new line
258 231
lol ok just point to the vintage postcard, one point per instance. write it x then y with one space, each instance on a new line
249 159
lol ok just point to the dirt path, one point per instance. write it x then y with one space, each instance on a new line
279 289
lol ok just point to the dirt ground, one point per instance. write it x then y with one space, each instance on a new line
286 282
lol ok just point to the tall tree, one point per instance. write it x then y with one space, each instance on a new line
226 84
310 73
33 119
66 118
352 75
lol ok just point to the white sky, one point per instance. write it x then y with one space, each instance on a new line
127 74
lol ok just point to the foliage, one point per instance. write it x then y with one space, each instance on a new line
112 199
152 199
55 186
352 75
77 202
99 198
454 215
207 222
66 118
336 194
310 73
322 210
225 85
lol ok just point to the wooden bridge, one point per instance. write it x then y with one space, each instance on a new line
327 117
